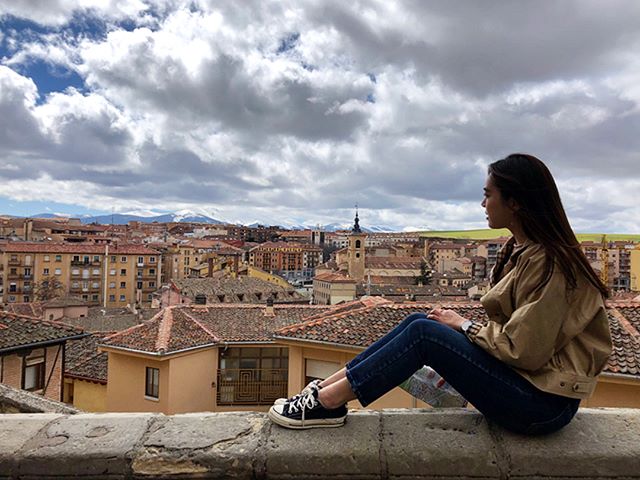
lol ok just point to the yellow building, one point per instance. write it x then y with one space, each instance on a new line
635 269
85 374
107 275
242 357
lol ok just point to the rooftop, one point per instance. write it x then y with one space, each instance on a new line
18 331
253 290
51 247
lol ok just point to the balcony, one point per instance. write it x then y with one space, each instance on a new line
14 262
13 276
251 386
84 263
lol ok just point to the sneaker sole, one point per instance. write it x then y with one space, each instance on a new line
297 424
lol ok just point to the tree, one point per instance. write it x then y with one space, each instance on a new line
48 289
425 274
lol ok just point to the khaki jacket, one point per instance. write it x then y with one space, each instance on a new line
557 339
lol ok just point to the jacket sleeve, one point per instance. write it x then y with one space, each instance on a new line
527 340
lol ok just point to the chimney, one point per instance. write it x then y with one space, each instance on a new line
269 310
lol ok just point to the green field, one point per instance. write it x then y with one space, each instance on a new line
488 234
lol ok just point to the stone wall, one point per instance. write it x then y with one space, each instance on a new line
13 400
402 444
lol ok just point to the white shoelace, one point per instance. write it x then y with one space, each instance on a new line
303 403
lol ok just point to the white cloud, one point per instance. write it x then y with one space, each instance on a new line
282 111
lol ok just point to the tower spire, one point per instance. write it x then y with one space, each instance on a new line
356 223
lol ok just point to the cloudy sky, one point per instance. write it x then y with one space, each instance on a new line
288 112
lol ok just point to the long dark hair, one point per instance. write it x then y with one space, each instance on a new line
528 181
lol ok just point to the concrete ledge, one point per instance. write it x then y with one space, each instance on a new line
19 401
402 444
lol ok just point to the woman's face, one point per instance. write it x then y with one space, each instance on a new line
499 213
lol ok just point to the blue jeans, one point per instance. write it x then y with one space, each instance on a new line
495 389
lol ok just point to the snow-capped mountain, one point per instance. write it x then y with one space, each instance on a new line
149 216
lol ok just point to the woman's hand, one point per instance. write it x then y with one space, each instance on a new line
448 317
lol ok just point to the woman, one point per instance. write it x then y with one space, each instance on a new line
547 336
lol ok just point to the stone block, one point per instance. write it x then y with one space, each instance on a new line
350 451
429 443
597 443
84 445
211 444
15 431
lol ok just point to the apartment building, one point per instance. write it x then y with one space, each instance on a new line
106 275
290 260
618 261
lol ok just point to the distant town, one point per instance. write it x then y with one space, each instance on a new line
183 316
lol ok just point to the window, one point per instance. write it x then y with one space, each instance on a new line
113 259
140 260
264 370
122 298
123 259
85 297
75 285
75 271
123 271
58 258
76 258
25 299
33 372
112 298
112 271
123 284
94 297
95 285
46 258
152 259
152 284
96 258
112 284
58 271
139 286
45 271
96 271
152 383
152 271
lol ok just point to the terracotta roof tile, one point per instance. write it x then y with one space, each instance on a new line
182 327
31 309
18 330
84 361
50 247
225 289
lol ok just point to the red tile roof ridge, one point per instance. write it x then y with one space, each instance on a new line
134 327
321 319
371 301
4 313
164 330
199 324
39 321
624 323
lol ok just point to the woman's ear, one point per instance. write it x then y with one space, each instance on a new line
513 205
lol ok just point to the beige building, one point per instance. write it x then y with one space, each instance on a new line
331 288
107 275
242 357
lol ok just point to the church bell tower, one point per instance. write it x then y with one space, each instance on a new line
356 251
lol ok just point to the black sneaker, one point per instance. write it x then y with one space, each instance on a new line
313 384
307 412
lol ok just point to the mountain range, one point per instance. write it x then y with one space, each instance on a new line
192 217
